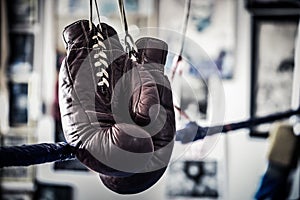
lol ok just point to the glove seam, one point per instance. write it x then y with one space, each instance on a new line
75 91
139 96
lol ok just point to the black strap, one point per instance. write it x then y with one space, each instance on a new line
91 13
131 48
123 15
185 25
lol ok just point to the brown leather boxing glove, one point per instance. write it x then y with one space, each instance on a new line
152 57
118 110
94 63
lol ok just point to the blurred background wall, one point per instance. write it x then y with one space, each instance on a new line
213 85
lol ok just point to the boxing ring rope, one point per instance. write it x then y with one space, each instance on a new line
184 135
50 152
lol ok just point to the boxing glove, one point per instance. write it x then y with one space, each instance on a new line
152 56
115 109
94 63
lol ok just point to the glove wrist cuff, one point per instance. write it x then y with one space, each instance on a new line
152 50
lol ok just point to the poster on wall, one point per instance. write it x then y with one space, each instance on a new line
211 26
193 179
273 48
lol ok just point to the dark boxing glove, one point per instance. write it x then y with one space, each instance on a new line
109 107
152 57
94 63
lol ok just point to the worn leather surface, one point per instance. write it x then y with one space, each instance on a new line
124 131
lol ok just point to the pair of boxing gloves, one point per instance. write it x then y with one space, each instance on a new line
117 112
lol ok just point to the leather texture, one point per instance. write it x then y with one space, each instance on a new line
152 54
124 128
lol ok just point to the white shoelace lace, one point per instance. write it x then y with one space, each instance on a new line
101 60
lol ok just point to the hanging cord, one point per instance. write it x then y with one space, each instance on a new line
183 35
182 113
91 14
131 48
185 25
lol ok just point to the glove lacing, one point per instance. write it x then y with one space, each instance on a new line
100 60
100 57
